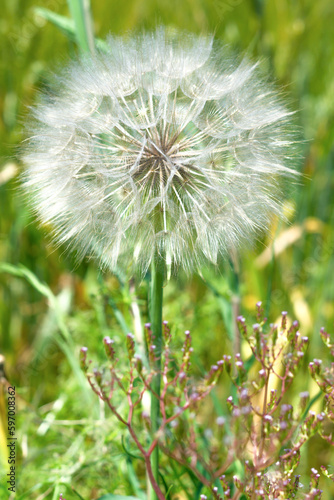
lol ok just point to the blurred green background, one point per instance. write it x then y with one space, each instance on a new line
48 314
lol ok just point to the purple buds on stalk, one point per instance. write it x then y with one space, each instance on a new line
242 325
284 320
130 344
83 358
269 421
108 347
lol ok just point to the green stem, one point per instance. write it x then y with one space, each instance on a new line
156 295
81 14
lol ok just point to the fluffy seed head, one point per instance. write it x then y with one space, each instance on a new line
162 143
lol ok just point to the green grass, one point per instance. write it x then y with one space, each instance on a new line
50 308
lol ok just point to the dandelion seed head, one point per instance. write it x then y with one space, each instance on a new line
163 143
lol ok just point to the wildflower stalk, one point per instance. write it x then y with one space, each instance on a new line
156 296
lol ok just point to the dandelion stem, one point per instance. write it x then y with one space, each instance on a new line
156 295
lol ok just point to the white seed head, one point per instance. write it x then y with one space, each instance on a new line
163 143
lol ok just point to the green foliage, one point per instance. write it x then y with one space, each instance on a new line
117 497
67 442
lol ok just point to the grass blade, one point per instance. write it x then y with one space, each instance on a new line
66 25
64 340
81 14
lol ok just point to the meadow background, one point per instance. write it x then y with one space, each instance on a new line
49 307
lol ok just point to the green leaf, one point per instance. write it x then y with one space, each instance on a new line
81 14
134 480
64 339
66 26
78 494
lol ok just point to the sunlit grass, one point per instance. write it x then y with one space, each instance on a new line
43 326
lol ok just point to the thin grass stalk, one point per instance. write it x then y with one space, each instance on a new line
81 14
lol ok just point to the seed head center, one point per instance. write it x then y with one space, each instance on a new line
157 163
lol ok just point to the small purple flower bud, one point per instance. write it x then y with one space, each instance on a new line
227 360
130 343
208 434
83 358
139 362
220 421
246 410
147 325
262 372
285 408
165 322
244 393
304 395
98 376
284 318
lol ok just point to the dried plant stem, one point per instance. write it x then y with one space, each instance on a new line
156 296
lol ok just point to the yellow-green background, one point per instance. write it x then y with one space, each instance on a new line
295 40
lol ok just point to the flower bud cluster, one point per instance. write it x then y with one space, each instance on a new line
258 435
